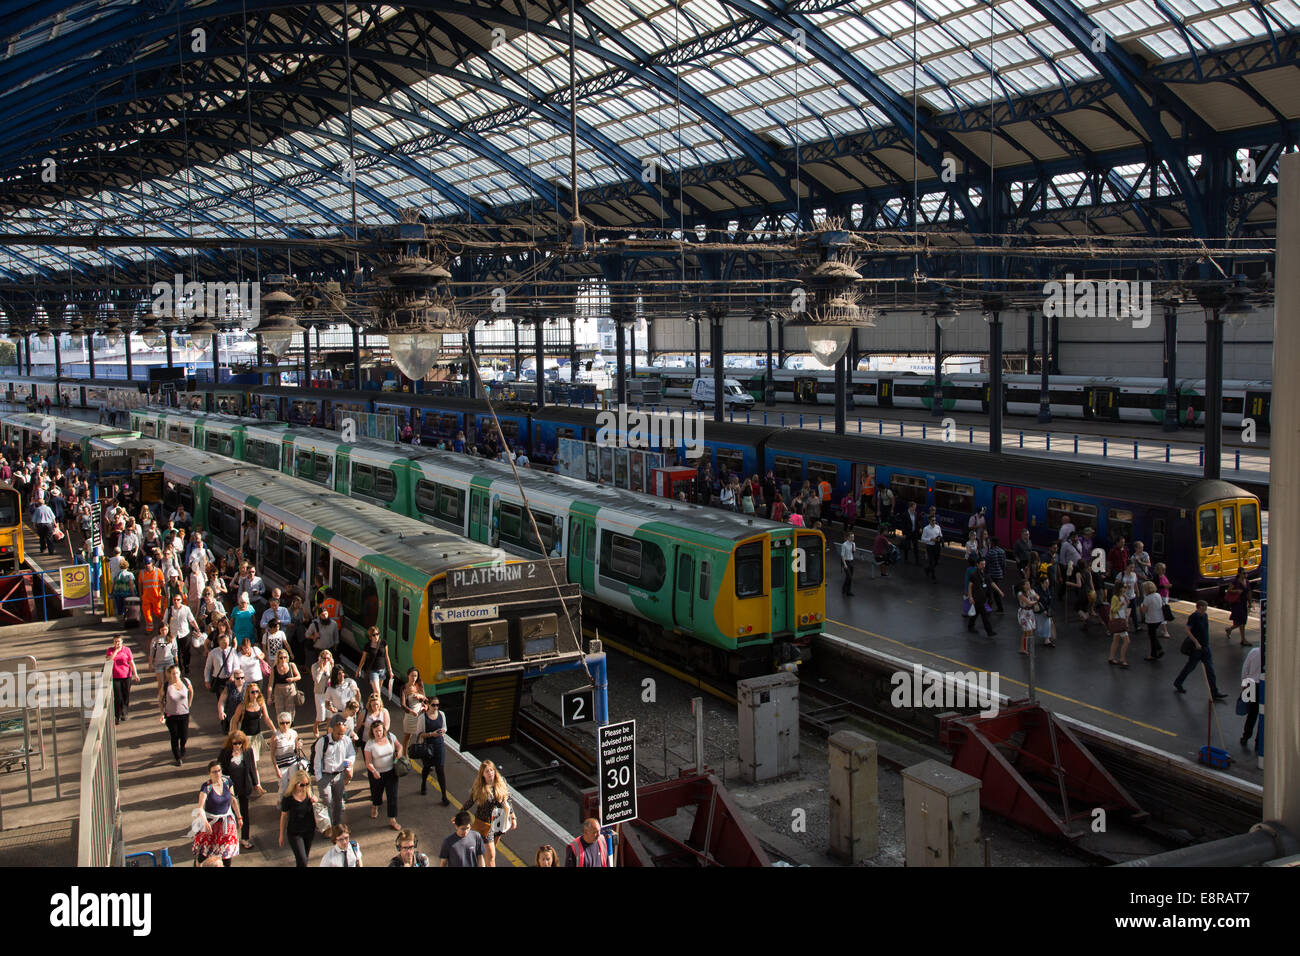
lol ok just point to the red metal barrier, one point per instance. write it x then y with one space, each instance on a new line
718 837
15 599
1034 771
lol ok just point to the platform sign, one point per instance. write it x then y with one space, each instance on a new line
578 706
74 586
616 744
491 578
463 615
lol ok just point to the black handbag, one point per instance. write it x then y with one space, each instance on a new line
1167 611
1189 647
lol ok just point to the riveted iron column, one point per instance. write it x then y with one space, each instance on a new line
1170 423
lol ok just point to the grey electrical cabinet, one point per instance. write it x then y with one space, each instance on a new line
769 726
941 816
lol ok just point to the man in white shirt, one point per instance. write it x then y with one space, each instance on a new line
43 518
115 564
932 538
522 460
1069 554
222 662
182 623
252 584
848 549
332 757
1067 529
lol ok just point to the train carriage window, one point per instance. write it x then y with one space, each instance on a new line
357 594
786 468
363 479
269 551
1209 528
1229 524
1249 521
1119 523
624 556
811 575
1019 509
730 460
218 443
950 496
451 503
511 523
1158 538
685 576
291 560
302 466
385 485
406 619
625 559
817 470
1082 515
392 611
426 498
323 465
908 488
8 508
705 587
749 570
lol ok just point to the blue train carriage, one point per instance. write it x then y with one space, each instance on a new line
1199 529
391 572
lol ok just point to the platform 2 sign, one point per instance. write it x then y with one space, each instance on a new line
617 753
493 578
578 706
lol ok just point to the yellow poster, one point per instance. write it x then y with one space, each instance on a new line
74 583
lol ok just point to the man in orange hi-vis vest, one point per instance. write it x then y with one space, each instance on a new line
152 584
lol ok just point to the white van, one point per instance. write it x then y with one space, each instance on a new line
732 393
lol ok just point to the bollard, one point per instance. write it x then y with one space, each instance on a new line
1104 449
859 426
747 416
1237 466
1049 441
1167 451
923 431
801 419
783 419
881 423
1022 439
819 423
900 430
1076 444
1135 451
971 437
1201 456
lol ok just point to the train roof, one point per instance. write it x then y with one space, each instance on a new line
373 530
724 524
1035 471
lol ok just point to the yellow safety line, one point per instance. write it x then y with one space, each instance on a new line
1012 680
501 847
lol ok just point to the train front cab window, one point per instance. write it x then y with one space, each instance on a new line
749 570
814 558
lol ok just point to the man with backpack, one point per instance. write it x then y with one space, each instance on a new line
332 757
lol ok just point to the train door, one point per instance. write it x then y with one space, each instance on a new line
342 471
320 564
684 591
1257 408
479 518
1250 552
805 390
1212 545
580 561
1101 402
885 393
1228 525
1010 513
390 627
779 565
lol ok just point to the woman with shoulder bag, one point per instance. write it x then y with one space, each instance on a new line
413 705
297 817
251 717
238 765
1163 587
375 665
382 751
1153 617
432 752
285 695
489 802
285 753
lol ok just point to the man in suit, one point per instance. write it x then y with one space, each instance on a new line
912 524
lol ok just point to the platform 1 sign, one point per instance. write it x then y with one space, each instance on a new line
578 706
616 744
463 615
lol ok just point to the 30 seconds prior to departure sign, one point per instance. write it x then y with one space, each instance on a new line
617 752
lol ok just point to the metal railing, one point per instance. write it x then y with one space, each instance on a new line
39 601
100 824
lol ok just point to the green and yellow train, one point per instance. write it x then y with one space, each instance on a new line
721 592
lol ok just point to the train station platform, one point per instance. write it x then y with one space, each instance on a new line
906 617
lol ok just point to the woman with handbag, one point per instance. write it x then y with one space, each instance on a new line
220 818
1238 600
432 751
489 802
1163 587
382 751
320 678
284 750
298 818
285 695
238 765
375 665
252 718
1153 617
413 705
1027 598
